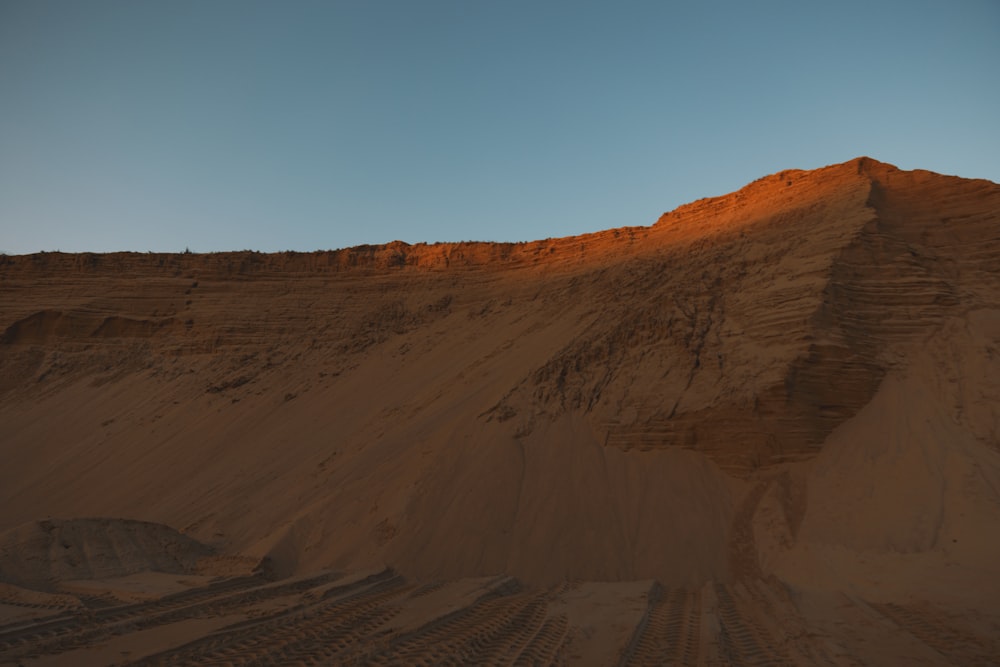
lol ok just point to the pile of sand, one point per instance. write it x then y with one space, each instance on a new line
40 554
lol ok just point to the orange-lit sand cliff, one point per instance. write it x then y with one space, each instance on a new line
798 383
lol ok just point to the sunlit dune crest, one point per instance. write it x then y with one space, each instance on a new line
763 429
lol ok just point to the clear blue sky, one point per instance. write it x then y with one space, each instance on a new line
225 125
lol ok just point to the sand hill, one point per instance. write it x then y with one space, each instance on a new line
774 415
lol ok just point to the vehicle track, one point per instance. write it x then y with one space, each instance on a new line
958 646
427 589
310 634
82 629
503 629
466 635
219 598
546 647
669 632
16 602
502 649
741 640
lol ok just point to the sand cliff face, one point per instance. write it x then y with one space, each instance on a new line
807 364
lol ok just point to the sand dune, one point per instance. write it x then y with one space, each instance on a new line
763 429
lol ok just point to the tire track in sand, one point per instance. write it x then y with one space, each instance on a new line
312 634
958 646
52 636
669 631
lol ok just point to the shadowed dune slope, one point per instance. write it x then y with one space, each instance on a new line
769 382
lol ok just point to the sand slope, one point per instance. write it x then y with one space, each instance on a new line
796 382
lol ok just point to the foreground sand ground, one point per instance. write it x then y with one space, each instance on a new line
381 618
765 430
